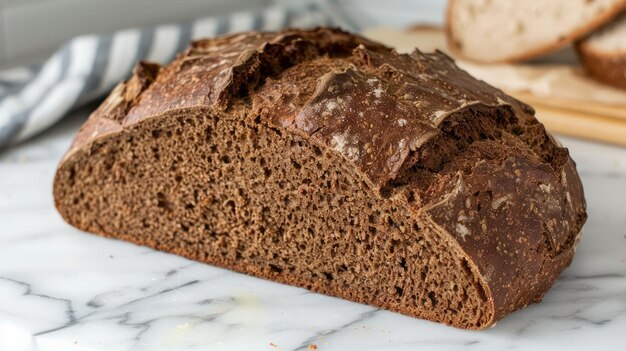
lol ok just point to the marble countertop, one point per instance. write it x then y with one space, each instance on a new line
62 289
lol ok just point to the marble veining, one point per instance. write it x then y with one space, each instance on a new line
61 289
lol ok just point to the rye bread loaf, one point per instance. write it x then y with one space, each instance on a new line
506 31
326 161
603 53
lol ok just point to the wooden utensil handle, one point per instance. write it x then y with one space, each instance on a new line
615 111
584 125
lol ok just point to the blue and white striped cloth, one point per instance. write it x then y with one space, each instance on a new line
87 67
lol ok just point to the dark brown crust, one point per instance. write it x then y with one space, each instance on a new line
580 32
509 198
382 111
609 68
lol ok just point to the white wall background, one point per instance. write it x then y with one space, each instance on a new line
32 29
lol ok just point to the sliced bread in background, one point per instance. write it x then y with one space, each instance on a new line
603 53
506 31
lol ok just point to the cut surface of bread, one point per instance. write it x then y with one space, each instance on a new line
603 54
326 161
501 30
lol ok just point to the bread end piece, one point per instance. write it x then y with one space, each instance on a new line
603 53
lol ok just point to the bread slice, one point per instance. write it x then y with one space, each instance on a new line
326 161
502 30
603 53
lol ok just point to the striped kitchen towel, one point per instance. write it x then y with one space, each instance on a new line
87 67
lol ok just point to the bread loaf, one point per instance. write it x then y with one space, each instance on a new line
326 161
603 53
502 30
